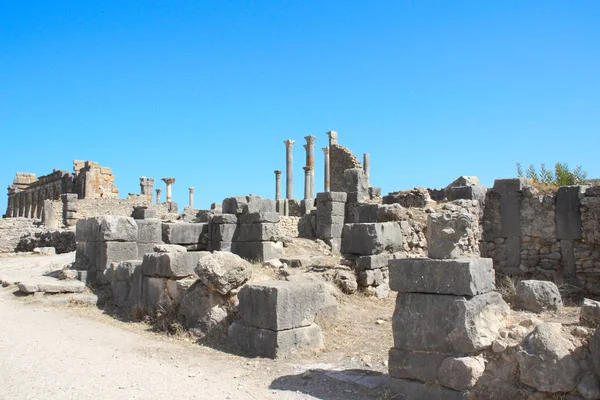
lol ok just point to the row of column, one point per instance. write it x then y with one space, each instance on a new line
309 174
146 184
30 204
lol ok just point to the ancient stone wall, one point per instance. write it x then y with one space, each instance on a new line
340 159
93 181
21 234
289 226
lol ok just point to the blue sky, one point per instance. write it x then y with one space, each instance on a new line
206 91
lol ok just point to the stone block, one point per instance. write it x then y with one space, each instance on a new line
419 365
224 219
568 214
201 310
371 238
354 180
182 233
307 205
149 230
512 247
280 305
415 390
259 217
70 214
110 252
234 205
176 288
86 230
369 277
143 213
462 277
168 248
592 191
567 248
257 251
273 344
338 197
170 265
366 213
510 214
123 270
49 285
590 312
452 234
145 248
223 232
328 231
511 185
117 229
120 293
460 373
538 296
331 208
464 180
172 207
476 192
256 204
260 232
335 244
447 324
375 261
85 255
329 219
154 291
217 245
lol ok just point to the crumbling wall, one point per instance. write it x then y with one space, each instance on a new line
340 159
20 234
289 226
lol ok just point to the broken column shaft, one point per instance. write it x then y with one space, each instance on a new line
277 185
326 180
310 162
366 164
289 186
158 196
191 197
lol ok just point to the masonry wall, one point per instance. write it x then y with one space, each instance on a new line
340 159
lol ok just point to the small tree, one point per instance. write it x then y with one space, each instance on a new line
561 176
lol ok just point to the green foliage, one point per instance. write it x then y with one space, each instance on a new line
561 176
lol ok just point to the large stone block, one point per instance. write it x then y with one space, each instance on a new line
447 324
415 390
143 212
122 271
256 204
538 296
217 245
375 261
366 213
259 217
329 219
280 305
273 344
257 251
452 234
371 238
224 219
144 248
85 255
110 252
223 232
223 271
86 230
117 229
149 231
201 310
182 232
511 184
460 373
331 208
260 232
170 265
234 205
338 197
154 291
420 365
476 192
328 231
355 180
568 214
463 277
510 214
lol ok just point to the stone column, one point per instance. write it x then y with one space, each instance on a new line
277 185
326 180
306 182
146 186
168 182
310 162
9 207
332 137
366 165
289 185
158 196
191 197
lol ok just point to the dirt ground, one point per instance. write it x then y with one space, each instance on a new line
76 351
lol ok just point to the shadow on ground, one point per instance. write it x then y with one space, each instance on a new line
350 384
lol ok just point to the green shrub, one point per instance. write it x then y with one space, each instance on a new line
561 176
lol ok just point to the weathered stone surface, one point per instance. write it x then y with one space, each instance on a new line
389 213
256 204
331 230
331 208
464 277
356 181
123 270
476 192
154 292
546 361
176 288
169 248
371 238
346 281
375 261
568 214
415 390
117 229
366 213
224 219
460 373
511 184
538 296
217 245
590 312
120 293
589 387
452 234
447 324
255 341
594 344
202 310
260 232
224 232
234 205
280 305
223 271
464 180
420 365
145 248
258 217
109 252
149 231
46 251
143 213
257 251
417 197
369 277
170 265
182 232
50 285
338 197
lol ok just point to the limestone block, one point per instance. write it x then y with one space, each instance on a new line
86 230
329 219
122 271
217 245
258 217
135 288
223 232
375 261
511 185
594 345
143 213
447 324
369 277
168 248
338 197
464 180
117 229
259 232
280 305
257 251
568 214
389 212
355 180
170 265
537 296
366 213
144 248
222 271
590 312
154 291
476 192
224 219
415 390
452 235
327 231
110 252
420 365
176 288
85 255
460 373
149 231
273 344
120 293
546 361
182 232
331 208
50 285
256 204
201 310
371 238
463 277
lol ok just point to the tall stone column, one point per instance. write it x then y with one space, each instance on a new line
332 137
366 165
326 173
289 164
158 196
191 197
146 187
306 182
168 182
310 162
277 185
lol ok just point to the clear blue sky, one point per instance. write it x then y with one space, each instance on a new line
206 91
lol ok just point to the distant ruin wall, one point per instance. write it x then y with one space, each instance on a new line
340 159
120 207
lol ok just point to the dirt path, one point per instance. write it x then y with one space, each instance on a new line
58 352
